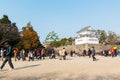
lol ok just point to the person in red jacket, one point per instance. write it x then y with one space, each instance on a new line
16 50
112 52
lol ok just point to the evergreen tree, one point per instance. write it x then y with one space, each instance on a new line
52 36
62 42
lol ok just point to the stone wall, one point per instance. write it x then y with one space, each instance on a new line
98 47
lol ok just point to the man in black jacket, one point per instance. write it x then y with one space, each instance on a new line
93 54
8 55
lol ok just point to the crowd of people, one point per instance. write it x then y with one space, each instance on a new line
91 52
7 52
30 55
42 53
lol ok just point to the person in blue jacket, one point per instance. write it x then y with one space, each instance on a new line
118 52
8 56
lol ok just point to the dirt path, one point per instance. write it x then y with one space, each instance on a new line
76 68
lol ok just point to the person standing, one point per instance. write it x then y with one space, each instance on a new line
60 54
52 52
16 50
64 53
37 54
43 53
84 52
118 52
71 53
113 52
89 52
20 54
2 53
30 55
23 55
8 56
93 53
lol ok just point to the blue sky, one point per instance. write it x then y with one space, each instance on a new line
65 17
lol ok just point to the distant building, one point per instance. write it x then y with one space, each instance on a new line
86 35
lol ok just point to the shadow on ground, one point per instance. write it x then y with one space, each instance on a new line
30 66
2 77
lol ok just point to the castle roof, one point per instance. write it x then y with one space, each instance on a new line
88 28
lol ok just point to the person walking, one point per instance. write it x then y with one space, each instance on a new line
23 55
64 53
52 52
118 52
20 54
8 56
43 53
37 54
60 54
84 52
16 50
93 53
71 53
30 55
113 52
89 52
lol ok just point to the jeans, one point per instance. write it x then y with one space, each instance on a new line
93 56
8 58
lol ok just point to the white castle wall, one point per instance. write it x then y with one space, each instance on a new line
88 40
